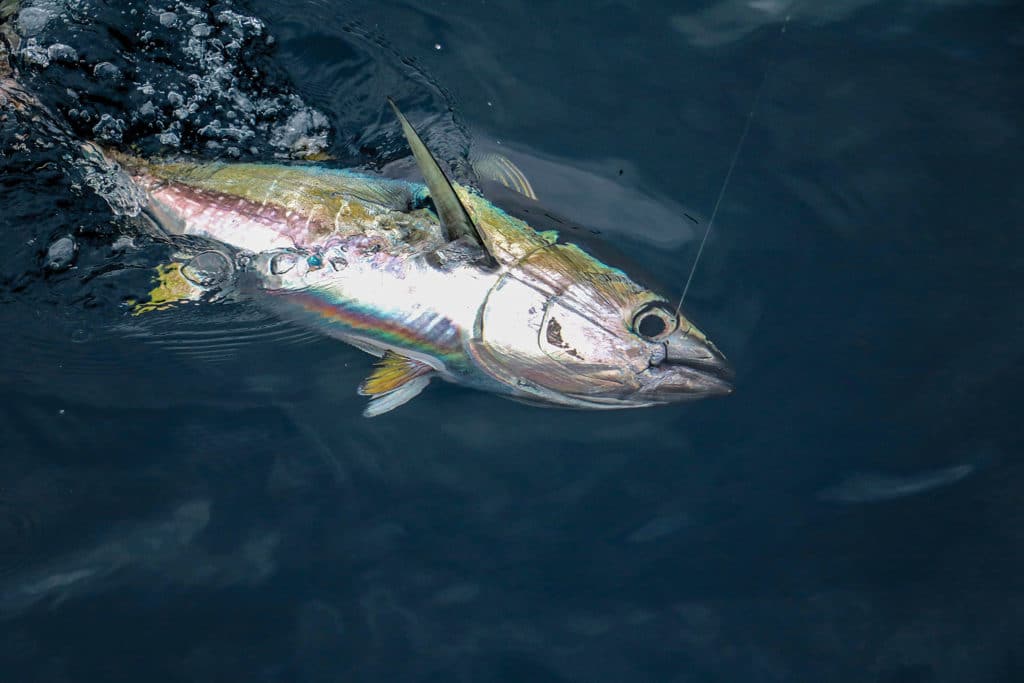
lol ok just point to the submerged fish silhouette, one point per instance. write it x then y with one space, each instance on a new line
873 487
432 278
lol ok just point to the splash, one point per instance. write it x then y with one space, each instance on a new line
187 77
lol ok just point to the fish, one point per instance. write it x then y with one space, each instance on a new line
431 278
873 487
149 544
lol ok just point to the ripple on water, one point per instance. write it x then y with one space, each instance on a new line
217 333
351 67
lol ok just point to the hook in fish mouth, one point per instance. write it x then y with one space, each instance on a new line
692 367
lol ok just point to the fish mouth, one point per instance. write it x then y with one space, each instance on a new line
691 368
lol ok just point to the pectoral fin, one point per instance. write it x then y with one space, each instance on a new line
172 287
395 380
189 277
450 211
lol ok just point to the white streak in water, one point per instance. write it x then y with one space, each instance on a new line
874 487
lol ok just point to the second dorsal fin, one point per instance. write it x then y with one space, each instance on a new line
500 169
450 210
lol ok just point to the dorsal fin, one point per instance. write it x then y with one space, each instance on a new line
453 214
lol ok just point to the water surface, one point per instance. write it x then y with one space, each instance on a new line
196 497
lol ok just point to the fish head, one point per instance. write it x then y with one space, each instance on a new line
561 327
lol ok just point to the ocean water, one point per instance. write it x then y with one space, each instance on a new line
195 496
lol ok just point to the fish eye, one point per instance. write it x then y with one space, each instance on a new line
655 321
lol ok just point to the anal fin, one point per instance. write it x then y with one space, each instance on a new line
395 380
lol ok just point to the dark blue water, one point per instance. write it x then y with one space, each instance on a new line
196 497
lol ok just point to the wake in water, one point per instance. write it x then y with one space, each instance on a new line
194 77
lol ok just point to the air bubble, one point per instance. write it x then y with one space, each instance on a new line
32 20
59 52
305 132
33 53
207 269
198 75
123 243
61 254
109 128
106 71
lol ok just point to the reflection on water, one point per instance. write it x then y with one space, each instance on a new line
199 490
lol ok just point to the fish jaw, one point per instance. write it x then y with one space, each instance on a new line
558 329
692 367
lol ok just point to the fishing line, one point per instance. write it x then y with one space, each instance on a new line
732 164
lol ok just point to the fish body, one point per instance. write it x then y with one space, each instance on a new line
436 281
358 257
432 278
